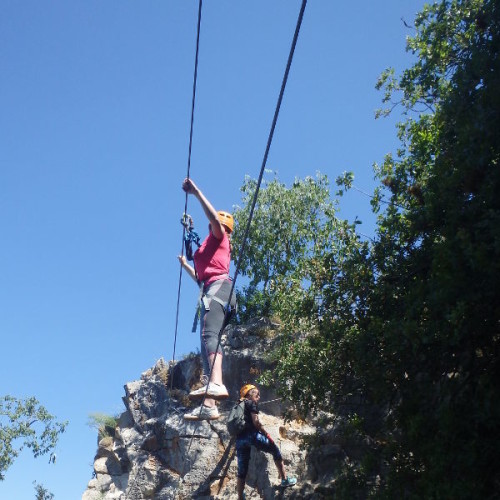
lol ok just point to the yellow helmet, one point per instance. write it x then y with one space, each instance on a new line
246 389
226 220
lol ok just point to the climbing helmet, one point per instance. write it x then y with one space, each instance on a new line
226 220
246 389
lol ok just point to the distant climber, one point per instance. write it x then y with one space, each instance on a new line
255 435
211 272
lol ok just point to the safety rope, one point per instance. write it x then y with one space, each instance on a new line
254 200
193 100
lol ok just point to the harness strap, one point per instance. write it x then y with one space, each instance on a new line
198 309
212 290
206 298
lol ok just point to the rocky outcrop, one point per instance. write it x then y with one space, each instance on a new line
155 454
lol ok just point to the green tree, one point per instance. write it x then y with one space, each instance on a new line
289 227
41 492
26 423
407 325
440 255
300 259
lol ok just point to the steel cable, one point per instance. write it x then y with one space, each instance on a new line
193 101
254 200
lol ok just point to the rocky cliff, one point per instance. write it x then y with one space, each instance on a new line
154 454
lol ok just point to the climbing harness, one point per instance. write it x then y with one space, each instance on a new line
205 298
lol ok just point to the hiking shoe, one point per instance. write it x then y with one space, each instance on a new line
203 413
215 391
289 481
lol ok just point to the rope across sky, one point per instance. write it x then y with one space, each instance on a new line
261 174
193 101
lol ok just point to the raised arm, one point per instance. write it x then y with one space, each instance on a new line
191 188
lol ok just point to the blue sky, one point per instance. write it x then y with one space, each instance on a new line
95 100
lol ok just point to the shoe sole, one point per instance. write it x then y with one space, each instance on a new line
217 397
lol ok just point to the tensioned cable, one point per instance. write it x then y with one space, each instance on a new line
254 201
193 100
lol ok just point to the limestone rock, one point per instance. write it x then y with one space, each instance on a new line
155 454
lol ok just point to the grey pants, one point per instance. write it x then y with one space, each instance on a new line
212 320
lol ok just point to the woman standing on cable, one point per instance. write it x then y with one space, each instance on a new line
211 270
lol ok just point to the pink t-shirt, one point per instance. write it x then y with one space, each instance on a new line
212 259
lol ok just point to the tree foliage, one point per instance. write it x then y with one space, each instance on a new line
41 493
26 423
408 324
290 227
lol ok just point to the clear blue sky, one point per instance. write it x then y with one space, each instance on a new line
95 100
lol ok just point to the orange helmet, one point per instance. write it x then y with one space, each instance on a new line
226 220
246 389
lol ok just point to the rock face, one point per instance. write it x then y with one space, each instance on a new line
155 454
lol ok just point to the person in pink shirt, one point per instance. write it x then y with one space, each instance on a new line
211 271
